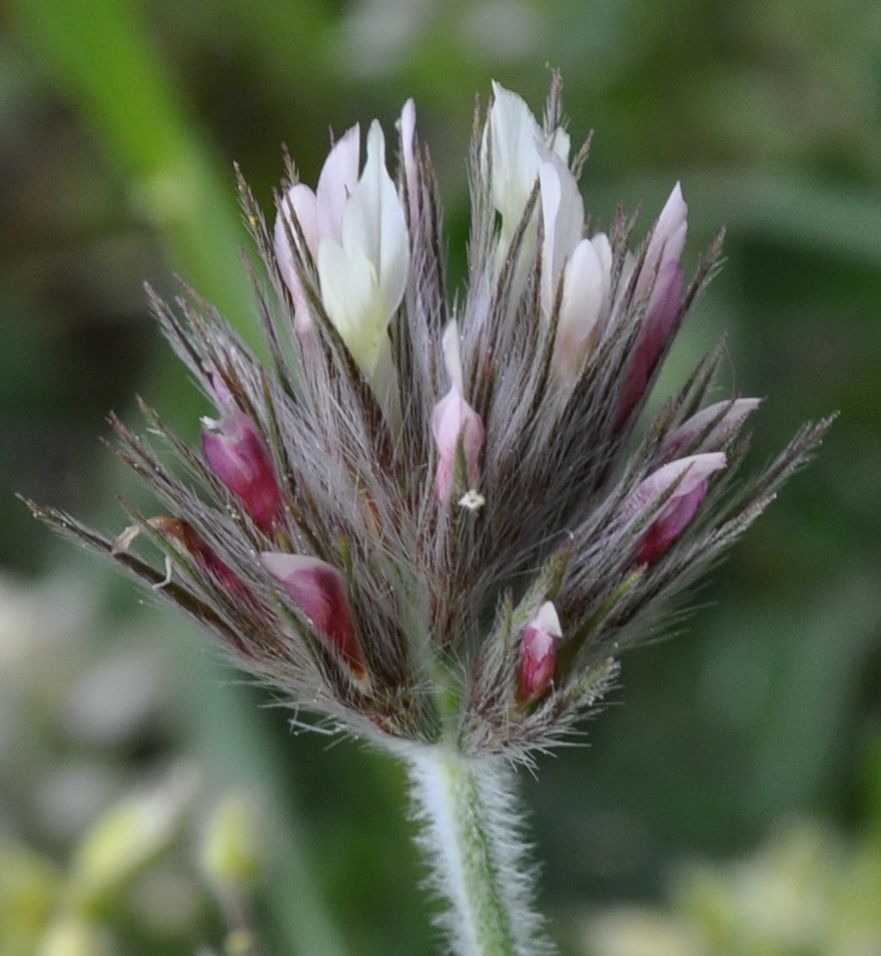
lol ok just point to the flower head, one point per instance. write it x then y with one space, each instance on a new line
446 520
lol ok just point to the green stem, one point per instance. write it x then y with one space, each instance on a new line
472 836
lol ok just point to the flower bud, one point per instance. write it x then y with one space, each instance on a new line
538 652
455 425
185 537
711 426
319 591
238 455
688 479
662 279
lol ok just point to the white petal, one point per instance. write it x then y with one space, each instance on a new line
603 248
585 285
349 292
407 128
337 182
452 359
563 218
515 137
374 223
561 143
301 201
546 620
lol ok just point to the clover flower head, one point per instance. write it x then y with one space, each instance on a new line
428 516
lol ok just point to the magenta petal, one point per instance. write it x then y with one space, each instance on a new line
538 663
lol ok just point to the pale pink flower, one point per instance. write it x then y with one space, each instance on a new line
446 513
455 425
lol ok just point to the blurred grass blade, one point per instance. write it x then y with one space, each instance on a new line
102 59
110 72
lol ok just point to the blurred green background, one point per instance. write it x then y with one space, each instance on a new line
754 736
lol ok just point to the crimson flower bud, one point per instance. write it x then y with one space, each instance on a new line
188 540
688 479
538 652
662 279
319 591
239 457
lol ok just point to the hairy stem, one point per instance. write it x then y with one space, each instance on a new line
472 835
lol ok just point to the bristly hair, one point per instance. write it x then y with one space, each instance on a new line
429 519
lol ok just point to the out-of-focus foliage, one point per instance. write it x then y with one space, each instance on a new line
96 856
119 124
806 892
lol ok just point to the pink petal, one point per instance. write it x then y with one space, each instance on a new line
302 202
452 358
667 241
673 520
453 421
662 279
658 327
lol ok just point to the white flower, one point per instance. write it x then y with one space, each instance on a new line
357 235
516 141
363 277
318 214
